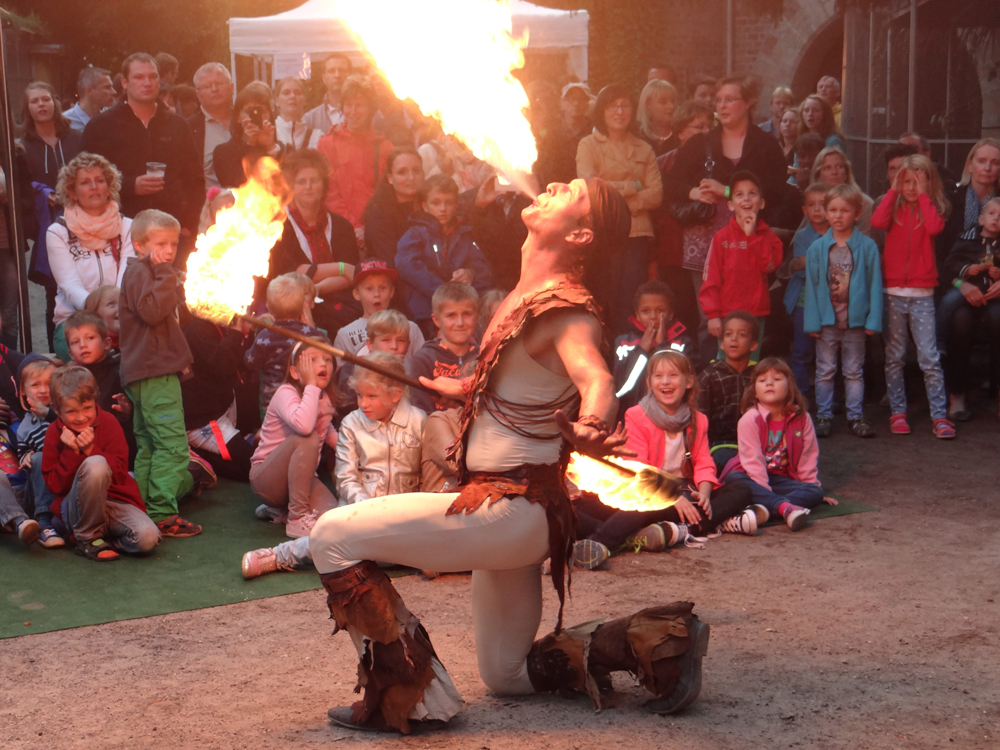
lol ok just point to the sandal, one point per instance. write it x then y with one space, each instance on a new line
177 527
944 429
898 425
97 550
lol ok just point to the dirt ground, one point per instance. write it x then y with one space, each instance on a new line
876 630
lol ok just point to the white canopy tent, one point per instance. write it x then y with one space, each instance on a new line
314 29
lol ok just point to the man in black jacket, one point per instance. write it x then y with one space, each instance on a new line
136 132
210 124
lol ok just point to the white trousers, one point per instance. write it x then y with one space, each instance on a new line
503 544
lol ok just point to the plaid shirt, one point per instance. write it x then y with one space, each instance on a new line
720 392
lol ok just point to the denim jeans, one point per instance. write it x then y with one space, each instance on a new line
803 350
11 512
294 555
38 495
783 490
946 308
850 344
917 314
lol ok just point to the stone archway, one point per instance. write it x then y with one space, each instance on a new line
822 55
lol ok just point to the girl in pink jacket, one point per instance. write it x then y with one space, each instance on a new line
667 431
778 454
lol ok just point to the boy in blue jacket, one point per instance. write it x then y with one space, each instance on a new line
843 303
437 249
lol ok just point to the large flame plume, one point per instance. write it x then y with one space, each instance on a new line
463 78
639 487
237 247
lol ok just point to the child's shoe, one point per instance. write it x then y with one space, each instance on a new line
744 523
860 428
650 539
202 473
28 530
898 425
824 426
796 518
676 533
944 429
97 550
269 513
176 527
50 539
259 562
590 554
763 514
299 527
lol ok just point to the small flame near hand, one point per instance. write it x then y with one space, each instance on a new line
642 487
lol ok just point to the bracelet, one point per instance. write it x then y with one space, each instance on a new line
638 185
341 265
467 385
311 272
957 283
590 420
727 192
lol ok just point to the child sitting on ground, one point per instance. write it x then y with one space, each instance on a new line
456 309
154 351
722 384
438 249
654 328
85 463
843 288
378 454
289 300
743 253
374 289
667 431
388 331
103 302
778 454
90 346
489 303
297 425
913 214
34 377
803 346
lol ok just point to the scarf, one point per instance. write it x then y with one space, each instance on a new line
319 247
670 423
95 232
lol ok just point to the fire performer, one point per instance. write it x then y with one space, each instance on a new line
540 367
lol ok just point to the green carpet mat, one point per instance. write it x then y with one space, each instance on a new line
57 589
844 508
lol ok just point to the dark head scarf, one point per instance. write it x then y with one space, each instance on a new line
609 215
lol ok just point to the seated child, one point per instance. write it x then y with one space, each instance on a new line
437 474
297 425
90 346
388 331
289 301
85 463
210 397
12 515
154 351
437 249
34 376
378 453
374 289
103 302
456 308
722 384
654 328
489 303
843 288
778 453
743 253
803 346
667 431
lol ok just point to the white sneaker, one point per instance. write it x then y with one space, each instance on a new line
268 513
762 513
796 520
676 533
744 523
300 527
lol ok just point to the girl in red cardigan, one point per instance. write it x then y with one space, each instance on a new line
913 213
667 431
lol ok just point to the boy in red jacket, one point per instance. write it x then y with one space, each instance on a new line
743 253
85 464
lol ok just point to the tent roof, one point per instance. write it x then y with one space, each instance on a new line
313 27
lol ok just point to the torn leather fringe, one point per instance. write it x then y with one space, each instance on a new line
401 675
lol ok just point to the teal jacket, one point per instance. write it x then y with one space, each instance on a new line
864 307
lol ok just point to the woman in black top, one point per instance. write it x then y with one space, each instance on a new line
396 197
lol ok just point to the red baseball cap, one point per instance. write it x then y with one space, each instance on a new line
372 267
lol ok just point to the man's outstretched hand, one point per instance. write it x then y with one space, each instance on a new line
587 439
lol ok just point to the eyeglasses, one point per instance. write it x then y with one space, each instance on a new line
726 102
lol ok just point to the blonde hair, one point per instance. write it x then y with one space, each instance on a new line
29 371
453 291
387 322
387 361
935 190
966 172
73 382
96 297
832 151
152 220
67 177
287 294
684 366
784 92
850 194
651 88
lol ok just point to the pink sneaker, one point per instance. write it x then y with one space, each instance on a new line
299 527
259 562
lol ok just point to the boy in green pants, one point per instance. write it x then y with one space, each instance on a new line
154 352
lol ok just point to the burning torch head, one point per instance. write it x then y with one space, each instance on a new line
635 486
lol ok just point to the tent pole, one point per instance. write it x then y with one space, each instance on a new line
232 69
911 94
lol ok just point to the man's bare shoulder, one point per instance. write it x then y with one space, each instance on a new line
555 325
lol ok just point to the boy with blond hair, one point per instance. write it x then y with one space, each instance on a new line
456 310
388 331
154 353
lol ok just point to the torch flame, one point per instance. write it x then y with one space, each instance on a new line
237 247
464 79
646 489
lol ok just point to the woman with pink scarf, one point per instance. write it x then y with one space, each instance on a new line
90 245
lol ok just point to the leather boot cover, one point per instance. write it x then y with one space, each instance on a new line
558 663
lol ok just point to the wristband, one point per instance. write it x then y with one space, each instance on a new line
957 284
341 265
638 185
311 272
727 192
